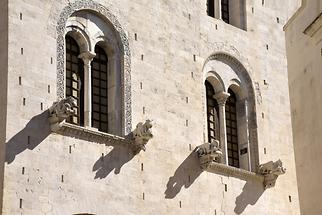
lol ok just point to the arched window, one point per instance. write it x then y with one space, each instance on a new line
212 114
230 93
99 90
232 130
75 80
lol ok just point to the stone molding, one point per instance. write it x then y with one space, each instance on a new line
126 73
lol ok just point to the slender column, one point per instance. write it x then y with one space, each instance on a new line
87 57
221 100
218 9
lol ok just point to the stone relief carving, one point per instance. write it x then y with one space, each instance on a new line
258 92
271 170
141 135
208 153
60 111
126 74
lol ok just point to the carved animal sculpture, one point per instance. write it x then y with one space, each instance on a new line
209 148
142 134
271 167
63 109
271 170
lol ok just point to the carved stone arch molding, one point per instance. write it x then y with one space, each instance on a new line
231 56
125 49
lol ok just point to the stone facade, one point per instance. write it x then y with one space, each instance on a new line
169 49
304 45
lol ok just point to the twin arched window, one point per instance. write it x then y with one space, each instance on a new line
231 114
93 72
75 85
230 117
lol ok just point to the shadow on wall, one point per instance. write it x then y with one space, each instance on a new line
36 130
185 175
252 191
114 160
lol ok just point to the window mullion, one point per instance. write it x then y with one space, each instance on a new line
87 57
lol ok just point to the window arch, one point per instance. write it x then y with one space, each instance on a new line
234 94
77 20
101 90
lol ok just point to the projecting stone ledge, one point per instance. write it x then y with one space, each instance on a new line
137 140
209 155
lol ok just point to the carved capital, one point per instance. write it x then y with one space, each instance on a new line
208 153
221 97
271 170
87 57
141 135
60 111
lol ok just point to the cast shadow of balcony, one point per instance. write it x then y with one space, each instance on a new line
36 130
113 161
252 191
184 176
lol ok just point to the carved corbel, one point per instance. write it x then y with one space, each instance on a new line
208 153
271 170
60 111
141 135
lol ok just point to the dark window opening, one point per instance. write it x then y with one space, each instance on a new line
75 80
212 114
225 10
99 90
231 129
211 8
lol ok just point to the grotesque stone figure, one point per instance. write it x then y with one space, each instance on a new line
271 170
60 111
208 153
141 135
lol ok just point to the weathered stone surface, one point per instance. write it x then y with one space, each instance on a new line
78 175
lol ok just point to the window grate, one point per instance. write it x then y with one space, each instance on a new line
75 80
212 114
231 130
99 90
225 10
211 8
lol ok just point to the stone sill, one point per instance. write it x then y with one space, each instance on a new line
229 171
90 134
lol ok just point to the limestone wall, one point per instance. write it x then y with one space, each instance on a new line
304 66
49 173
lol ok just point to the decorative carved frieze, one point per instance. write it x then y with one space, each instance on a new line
141 135
60 111
271 170
208 153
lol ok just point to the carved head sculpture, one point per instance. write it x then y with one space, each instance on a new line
147 133
271 167
209 148
64 108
